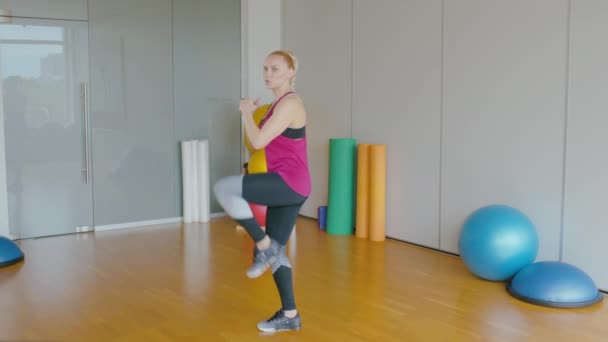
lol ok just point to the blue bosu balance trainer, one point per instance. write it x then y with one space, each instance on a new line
554 284
10 253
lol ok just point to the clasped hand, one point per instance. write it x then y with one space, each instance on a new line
248 105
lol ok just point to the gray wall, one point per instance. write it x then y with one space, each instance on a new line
131 97
50 9
396 101
479 103
325 60
206 48
586 204
160 75
503 113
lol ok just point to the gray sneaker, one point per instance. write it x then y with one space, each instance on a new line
278 322
256 250
263 259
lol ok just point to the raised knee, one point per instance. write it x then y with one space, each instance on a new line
223 185
219 186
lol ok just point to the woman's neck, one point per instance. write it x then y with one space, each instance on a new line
278 92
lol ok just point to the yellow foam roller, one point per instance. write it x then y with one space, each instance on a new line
362 212
377 192
258 115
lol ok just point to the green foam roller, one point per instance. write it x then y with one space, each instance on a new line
340 210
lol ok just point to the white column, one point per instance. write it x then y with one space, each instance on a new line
261 33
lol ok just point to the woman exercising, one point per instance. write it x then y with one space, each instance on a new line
283 189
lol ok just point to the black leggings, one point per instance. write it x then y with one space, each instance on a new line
235 193
283 204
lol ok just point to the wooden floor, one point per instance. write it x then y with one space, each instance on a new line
188 283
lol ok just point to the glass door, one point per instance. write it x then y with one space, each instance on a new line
44 94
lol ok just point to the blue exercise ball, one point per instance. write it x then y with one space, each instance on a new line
554 284
496 241
10 253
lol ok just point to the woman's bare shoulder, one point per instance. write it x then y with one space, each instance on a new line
292 107
291 103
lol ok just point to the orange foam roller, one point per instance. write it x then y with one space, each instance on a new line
362 213
377 190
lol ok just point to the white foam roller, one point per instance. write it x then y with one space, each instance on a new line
195 181
203 181
187 181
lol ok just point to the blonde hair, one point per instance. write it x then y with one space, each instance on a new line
291 60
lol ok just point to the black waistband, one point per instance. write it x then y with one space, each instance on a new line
294 133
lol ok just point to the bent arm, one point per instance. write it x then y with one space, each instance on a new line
280 120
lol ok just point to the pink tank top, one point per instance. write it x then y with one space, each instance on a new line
287 156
